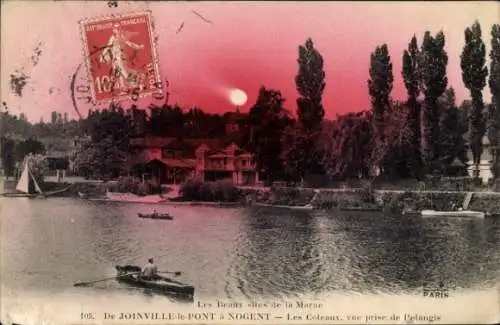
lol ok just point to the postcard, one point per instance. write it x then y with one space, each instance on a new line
249 162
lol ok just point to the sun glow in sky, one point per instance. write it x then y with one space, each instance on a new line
234 45
237 97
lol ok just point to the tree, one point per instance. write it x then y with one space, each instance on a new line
412 79
494 112
297 153
310 82
380 87
53 117
8 158
105 154
453 127
434 82
100 159
474 72
112 123
398 139
267 120
166 121
350 149
30 146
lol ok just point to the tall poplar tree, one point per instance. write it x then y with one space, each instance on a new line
434 82
267 121
380 87
474 72
494 113
412 79
452 144
310 82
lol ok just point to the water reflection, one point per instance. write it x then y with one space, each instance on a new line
47 245
276 254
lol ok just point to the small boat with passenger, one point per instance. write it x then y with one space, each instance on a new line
155 215
130 274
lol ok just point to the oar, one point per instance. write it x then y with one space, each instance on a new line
80 284
174 273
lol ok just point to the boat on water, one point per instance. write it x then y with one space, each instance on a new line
27 186
459 214
307 207
361 209
411 212
162 284
163 216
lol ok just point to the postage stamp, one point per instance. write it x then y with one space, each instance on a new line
120 56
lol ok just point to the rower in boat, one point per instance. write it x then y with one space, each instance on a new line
150 271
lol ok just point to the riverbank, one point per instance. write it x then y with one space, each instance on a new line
389 201
393 201
349 199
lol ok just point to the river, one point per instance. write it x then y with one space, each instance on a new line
234 253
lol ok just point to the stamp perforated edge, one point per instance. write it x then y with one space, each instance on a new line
154 53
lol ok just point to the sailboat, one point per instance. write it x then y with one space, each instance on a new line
29 187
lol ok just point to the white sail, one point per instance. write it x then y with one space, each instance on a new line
37 187
24 181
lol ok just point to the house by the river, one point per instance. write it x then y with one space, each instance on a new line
173 160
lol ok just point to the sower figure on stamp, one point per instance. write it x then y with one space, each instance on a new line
114 53
150 271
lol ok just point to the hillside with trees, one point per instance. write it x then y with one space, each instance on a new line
427 133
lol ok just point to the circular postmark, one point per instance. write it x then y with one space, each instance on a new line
81 90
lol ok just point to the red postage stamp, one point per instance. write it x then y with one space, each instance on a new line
121 56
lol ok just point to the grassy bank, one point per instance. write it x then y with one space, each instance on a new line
225 193
384 200
394 201
487 202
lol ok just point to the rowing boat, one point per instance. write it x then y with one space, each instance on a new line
161 284
462 213
361 209
164 216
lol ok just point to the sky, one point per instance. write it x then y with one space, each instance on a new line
245 45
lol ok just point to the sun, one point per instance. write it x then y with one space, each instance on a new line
237 97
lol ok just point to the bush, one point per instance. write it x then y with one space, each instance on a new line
291 196
326 200
190 189
485 202
225 191
135 186
367 195
255 195
217 191
417 201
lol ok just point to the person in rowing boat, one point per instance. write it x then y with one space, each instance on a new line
150 271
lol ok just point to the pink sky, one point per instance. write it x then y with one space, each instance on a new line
248 45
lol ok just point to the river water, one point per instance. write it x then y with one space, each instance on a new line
234 253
